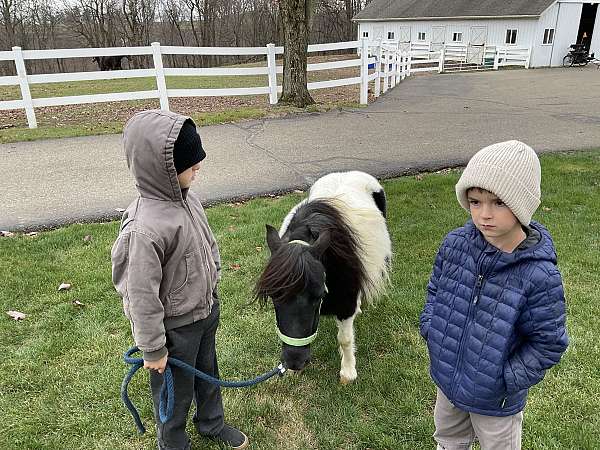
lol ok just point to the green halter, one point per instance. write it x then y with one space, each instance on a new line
300 342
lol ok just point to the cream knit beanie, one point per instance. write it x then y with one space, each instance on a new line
510 170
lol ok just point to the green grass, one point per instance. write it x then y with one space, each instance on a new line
132 84
102 118
23 134
116 127
62 368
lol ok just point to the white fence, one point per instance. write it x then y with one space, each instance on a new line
159 72
391 62
395 61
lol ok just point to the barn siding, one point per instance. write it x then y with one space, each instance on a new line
563 17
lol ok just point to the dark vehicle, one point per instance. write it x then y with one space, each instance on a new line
578 55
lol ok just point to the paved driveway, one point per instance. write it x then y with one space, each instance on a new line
424 123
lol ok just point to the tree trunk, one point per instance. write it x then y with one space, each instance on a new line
296 19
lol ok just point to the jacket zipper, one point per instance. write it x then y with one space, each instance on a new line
472 304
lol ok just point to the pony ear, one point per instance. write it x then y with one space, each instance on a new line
320 245
273 239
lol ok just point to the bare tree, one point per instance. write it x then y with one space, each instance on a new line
296 19
11 15
138 17
96 21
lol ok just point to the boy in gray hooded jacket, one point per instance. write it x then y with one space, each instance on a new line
165 266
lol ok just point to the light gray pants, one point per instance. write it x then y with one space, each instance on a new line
456 429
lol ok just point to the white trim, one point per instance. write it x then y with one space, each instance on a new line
516 36
460 34
523 16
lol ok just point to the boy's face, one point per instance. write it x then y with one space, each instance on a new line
493 218
187 176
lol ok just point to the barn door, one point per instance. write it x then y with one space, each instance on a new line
478 35
404 39
378 32
438 38
476 48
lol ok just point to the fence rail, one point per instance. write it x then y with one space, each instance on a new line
271 70
390 61
397 60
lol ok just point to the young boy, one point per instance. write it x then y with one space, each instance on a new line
165 266
494 319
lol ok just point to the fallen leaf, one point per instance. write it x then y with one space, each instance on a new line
87 239
77 303
418 177
32 234
6 234
16 315
545 208
235 267
64 287
258 249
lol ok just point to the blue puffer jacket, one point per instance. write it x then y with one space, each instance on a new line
494 322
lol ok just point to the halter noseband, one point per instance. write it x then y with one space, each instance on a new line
300 342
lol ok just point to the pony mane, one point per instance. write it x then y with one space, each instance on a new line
288 271
285 275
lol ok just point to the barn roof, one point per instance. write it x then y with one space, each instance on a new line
438 9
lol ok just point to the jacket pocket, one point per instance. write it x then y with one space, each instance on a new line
192 292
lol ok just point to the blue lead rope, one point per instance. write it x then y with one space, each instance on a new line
167 395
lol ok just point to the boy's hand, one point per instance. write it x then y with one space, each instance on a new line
158 365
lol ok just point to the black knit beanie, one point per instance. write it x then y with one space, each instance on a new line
187 150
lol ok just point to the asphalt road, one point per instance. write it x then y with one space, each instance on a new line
426 122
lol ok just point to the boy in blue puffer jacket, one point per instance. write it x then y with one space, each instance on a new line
494 319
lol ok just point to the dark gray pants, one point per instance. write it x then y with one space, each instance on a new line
193 344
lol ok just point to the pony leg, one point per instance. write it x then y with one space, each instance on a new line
345 339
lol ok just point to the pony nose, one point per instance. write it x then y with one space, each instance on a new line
295 358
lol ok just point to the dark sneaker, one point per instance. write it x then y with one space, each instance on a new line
232 437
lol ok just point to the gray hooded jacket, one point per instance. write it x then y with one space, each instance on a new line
165 261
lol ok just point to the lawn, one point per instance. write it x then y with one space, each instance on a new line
62 367
109 118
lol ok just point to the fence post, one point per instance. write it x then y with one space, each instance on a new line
378 68
386 70
497 59
408 64
271 64
364 72
442 58
24 83
403 66
398 65
528 60
394 69
161 84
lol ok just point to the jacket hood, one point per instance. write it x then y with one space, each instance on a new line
148 139
542 251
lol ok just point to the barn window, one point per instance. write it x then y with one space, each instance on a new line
421 36
457 37
548 35
390 35
365 34
511 36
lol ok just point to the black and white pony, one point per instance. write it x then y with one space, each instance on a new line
331 255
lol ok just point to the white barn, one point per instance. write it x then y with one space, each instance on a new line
547 27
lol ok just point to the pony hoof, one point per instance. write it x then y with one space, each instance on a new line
347 378
344 381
